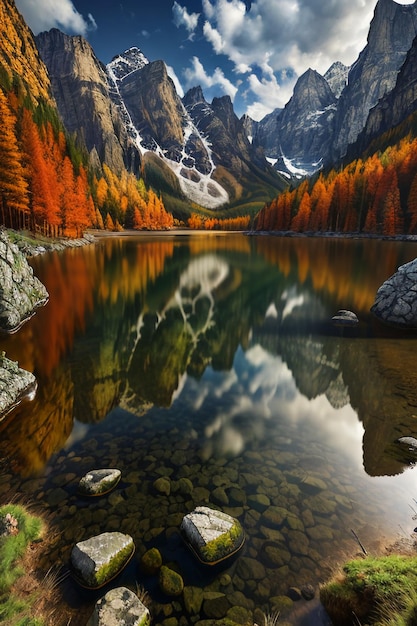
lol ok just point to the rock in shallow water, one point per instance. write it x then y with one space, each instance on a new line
97 560
120 606
99 482
212 535
345 318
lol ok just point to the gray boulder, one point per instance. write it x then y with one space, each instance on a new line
99 559
120 606
212 535
15 385
396 299
21 293
99 482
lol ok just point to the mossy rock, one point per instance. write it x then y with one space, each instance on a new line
170 582
99 559
151 561
99 482
212 535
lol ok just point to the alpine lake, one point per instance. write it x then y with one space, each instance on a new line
210 361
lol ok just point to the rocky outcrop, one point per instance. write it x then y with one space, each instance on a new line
81 89
99 559
21 293
15 384
120 606
396 300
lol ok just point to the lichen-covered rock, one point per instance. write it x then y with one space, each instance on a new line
99 482
97 560
120 606
396 299
212 535
21 293
15 384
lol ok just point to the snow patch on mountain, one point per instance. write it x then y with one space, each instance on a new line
290 168
124 64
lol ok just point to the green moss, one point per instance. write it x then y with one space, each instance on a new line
223 546
116 564
372 589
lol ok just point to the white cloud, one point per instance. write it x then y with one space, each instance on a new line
285 37
43 15
183 18
174 77
197 75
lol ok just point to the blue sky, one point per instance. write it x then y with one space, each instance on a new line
252 51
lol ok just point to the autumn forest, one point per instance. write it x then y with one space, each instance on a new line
48 186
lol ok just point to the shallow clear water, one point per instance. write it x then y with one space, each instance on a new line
213 359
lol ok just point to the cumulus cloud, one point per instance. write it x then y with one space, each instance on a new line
183 18
43 15
174 78
283 37
196 74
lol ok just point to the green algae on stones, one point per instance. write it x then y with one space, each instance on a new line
151 561
99 559
170 582
212 535
99 482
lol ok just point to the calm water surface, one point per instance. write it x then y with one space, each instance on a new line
211 360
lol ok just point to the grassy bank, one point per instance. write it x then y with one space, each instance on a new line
18 532
373 591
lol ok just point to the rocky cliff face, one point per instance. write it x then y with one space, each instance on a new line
374 74
303 126
327 113
81 89
395 106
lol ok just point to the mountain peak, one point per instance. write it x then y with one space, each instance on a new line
194 96
131 60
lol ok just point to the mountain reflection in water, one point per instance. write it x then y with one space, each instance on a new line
220 350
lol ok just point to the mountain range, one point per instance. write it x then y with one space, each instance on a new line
128 115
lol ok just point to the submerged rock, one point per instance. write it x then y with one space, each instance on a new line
345 318
120 606
170 582
396 299
212 535
99 482
99 559
15 385
21 293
